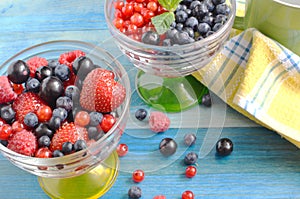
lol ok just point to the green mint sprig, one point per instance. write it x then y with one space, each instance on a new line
163 21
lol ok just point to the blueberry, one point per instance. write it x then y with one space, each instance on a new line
73 92
210 5
167 146
208 19
194 4
216 2
188 11
31 120
4 142
203 28
223 9
33 85
190 139
63 72
190 158
95 118
151 37
190 31
209 33
43 129
192 22
167 42
57 153
82 66
60 113
224 146
220 19
183 38
80 145
179 26
18 72
51 88
217 26
141 114
67 148
43 72
7 113
200 11
54 123
206 100
44 141
181 16
53 63
93 133
135 192
64 102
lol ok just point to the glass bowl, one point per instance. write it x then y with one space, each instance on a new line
97 165
166 70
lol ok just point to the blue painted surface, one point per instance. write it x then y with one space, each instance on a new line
263 165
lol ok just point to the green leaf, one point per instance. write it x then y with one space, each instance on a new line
163 22
170 5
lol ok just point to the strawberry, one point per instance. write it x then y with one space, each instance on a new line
158 122
68 132
6 91
23 142
34 63
100 92
26 103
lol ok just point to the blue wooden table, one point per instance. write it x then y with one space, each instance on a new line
262 165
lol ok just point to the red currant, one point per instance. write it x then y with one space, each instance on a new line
122 150
5 131
118 14
152 6
119 5
138 7
107 122
190 171
118 22
138 175
137 19
148 15
44 113
128 10
187 195
82 118
159 197
2 121
43 153
17 126
132 29
18 88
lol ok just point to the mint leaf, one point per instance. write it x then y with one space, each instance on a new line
163 22
170 5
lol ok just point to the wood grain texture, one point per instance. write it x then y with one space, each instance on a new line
263 165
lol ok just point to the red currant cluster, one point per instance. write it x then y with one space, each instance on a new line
133 17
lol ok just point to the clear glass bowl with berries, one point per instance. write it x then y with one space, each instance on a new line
64 107
168 41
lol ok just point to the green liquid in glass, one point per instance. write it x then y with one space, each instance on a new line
90 185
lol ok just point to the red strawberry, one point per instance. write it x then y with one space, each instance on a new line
25 103
100 92
34 63
6 91
23 142
68 132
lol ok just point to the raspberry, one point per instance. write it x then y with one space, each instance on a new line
34 63
6 91
69 57
158 122
23 142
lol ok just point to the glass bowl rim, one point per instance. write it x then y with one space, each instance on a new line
201 42
102 139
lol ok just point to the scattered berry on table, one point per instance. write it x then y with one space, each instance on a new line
190 158
141 114
100 92
122 149
159 197
23 142
7 93
206 100
18 72
138 175
34 63
224 146
190 171
135 192
167 146
190 139
187 195
159 122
